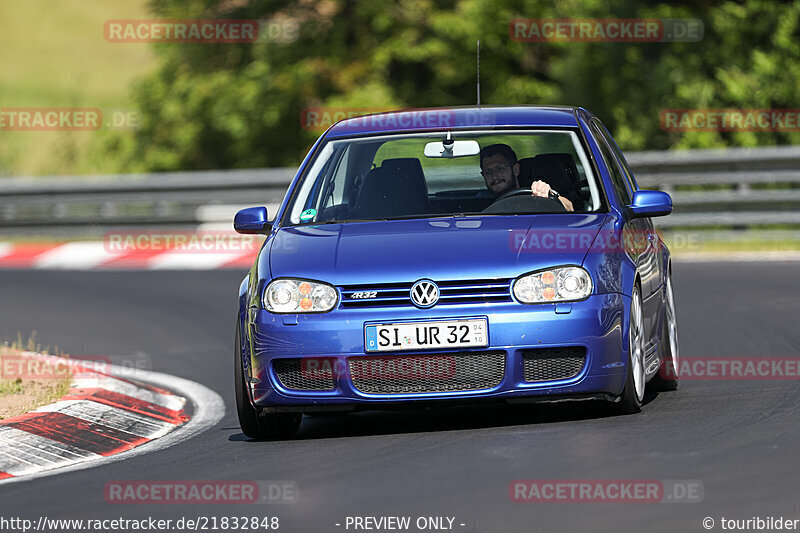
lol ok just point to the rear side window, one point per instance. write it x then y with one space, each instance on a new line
619 181
626 170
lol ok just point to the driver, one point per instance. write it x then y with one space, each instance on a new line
500 170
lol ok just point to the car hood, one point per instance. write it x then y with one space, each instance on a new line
395 251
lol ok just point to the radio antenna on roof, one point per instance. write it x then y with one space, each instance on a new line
479 72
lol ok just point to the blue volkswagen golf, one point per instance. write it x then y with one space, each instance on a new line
460 254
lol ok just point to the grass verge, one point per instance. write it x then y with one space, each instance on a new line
27 383
54 55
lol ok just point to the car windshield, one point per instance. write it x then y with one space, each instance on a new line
411 176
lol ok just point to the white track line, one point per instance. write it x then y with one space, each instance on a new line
209 409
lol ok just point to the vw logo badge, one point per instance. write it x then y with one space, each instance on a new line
424 293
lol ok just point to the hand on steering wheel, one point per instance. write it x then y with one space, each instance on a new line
522 201
543 189
529 192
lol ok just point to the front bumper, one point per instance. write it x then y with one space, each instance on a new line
596 324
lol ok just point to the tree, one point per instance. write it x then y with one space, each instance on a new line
240 105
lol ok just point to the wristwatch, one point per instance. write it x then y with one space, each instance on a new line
553 195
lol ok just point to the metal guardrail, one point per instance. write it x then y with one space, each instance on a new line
185 200
741 178
92 205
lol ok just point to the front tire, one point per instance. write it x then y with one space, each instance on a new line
633 394
255 424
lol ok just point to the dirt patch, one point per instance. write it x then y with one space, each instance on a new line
27 383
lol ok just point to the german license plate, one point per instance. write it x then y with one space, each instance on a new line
426 335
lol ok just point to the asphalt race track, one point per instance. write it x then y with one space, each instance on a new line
740 439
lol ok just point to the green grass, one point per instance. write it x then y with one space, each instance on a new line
682 242
745 246
11 386
54 54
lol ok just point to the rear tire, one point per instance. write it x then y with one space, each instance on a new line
630 400
258 425
667 377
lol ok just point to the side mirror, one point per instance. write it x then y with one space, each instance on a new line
651 204
252 220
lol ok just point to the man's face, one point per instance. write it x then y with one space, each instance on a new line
499 174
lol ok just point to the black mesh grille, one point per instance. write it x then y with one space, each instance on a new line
450 292
551 364
404 374
305 374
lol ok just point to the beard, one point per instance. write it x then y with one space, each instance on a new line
500 186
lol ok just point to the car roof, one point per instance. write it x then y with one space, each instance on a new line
458 117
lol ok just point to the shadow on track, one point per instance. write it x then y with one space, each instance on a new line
444 418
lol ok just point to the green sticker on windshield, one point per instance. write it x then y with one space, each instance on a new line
308 214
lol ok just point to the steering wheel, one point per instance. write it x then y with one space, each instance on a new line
523 201
522 191
515 192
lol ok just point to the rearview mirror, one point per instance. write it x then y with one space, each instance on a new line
651 204
451 148
252 220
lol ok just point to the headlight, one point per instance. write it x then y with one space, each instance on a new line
299 296
554 285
